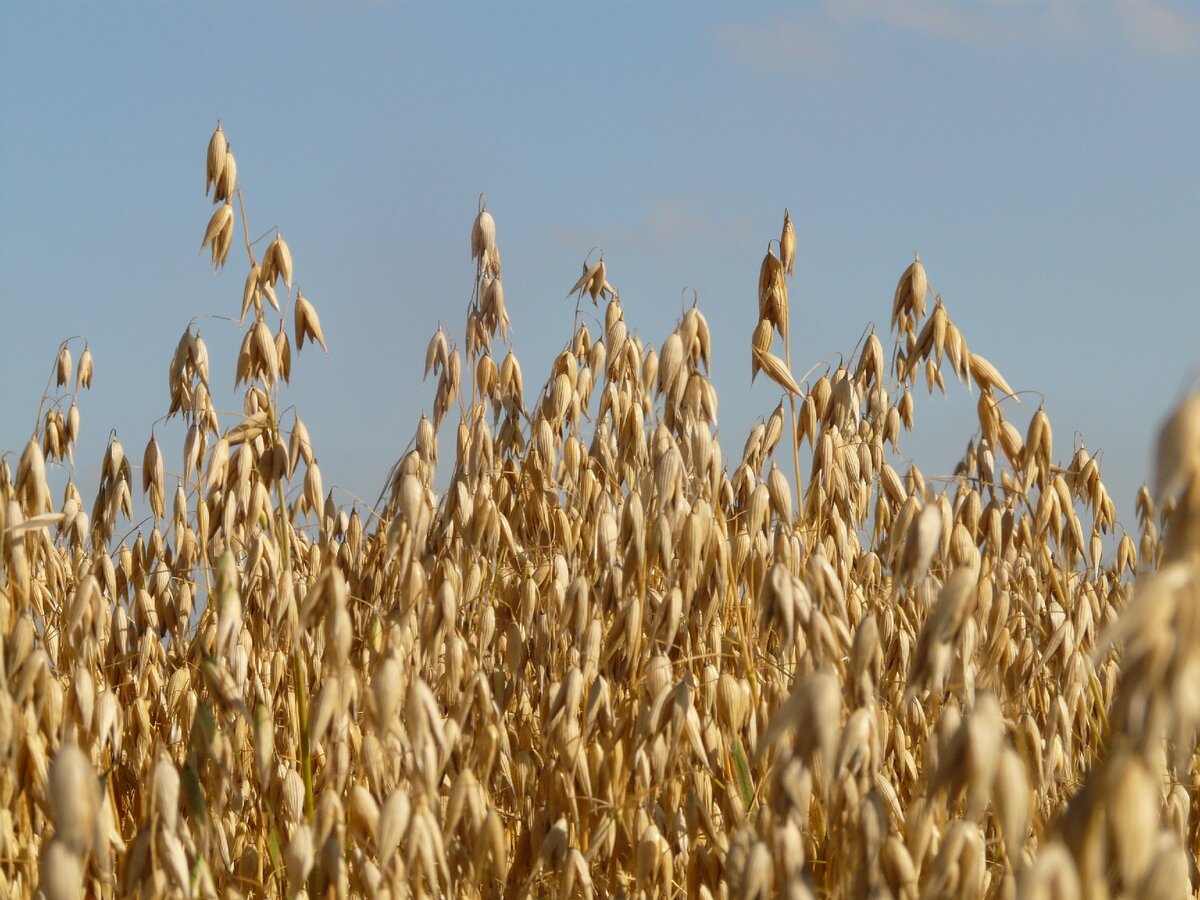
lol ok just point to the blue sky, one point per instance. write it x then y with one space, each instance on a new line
1040 156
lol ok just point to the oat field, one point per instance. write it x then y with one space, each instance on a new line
585 651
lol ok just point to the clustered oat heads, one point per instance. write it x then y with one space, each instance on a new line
601 660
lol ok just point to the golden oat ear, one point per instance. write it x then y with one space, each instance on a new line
787 243
219 234
218 154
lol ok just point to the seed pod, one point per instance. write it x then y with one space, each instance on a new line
63 366
219 234
987 376
908 305
733 704
776 369
281 259
787 243
226 182
152 477
299 446
772 294
781 494
74 800
31 479
760 342
299 857
394 818
773 431
266 359
308 324
313 494
218 151
83 375
164 791
593 282
362 814
251 292
1012 801
61 874
293 795
670 364
483 241
283 352
1177 462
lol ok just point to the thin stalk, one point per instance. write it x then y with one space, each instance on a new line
299 670
298 673
787 350
201 537
245 226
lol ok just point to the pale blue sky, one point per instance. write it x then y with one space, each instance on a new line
1042 158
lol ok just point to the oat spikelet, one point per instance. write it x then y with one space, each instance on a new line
593 282
219 234
308 323
215 161
787 243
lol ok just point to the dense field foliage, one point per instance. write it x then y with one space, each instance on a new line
592 653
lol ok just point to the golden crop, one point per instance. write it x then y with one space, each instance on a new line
606 659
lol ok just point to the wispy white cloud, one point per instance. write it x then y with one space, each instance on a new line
671 222
1161 30
676 221
989 23
821 36
779 42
